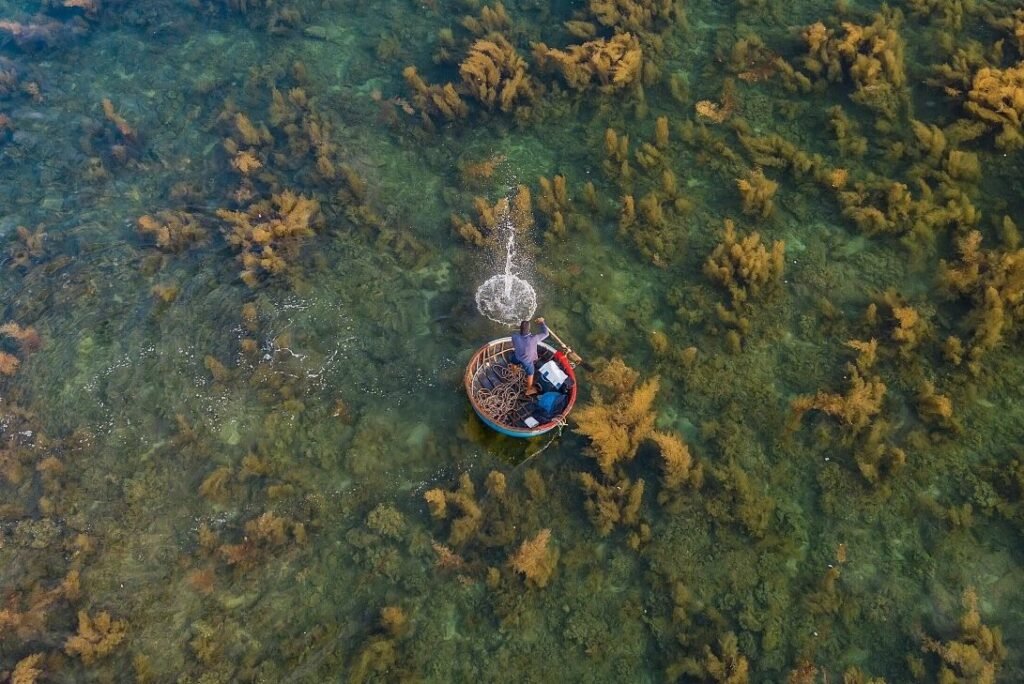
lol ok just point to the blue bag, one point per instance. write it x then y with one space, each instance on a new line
550 404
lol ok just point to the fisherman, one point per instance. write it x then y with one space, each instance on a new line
525 345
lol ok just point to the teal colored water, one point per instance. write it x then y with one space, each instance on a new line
240 252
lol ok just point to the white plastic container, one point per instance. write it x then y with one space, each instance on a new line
554 374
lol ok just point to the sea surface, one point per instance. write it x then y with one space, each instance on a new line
240 245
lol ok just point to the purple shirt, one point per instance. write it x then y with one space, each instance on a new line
526 345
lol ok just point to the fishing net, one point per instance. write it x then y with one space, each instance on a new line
506 299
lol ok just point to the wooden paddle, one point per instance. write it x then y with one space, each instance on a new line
574 358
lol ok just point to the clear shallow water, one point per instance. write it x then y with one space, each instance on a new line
238 473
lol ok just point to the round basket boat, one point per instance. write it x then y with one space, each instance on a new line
496 387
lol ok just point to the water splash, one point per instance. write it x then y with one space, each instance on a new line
507 298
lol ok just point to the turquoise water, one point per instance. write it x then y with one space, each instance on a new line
251 286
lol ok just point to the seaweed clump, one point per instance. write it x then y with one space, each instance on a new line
435 101
678 465
613 504
492 73
173 231
993 282
855 409
27 670
461 505
744 266
650 220
270 233
617 427
757 192
997 98
605 65
262 535
28 246
536 559
27 339
97 637
494 521
515 210
858 412
379 655
495 74
727 666
871 56
975 654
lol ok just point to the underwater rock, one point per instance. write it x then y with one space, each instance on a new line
602 317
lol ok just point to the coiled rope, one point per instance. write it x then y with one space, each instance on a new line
502 400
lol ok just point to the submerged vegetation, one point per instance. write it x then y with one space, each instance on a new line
242 240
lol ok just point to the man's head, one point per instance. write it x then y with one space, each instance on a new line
524 328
